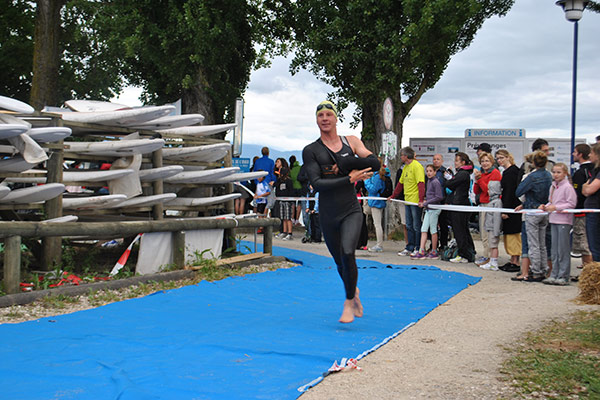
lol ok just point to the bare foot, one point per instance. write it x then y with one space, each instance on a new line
348 313
358 308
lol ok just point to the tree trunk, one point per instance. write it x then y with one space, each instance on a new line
198 100
46 54
373 129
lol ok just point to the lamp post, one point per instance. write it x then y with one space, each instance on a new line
573 12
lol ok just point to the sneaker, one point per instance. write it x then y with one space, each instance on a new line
376 249
433 255
288 237
549 281
404 252
561 282
281 235
363 248
482 260
459 259
419 256
489 267
414 253
575 255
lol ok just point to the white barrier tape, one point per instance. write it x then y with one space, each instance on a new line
449 207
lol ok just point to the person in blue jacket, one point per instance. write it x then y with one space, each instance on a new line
375 187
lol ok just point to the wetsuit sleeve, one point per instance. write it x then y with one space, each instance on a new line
349 163
313 170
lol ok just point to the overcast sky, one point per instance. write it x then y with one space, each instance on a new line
517 73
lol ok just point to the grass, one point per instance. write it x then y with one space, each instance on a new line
559 361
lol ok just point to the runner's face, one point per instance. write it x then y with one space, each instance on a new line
326 120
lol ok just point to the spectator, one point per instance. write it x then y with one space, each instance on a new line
581 155
363 240
266 164
562 196
375 186
412 183
535 187
433 195
263 189
459 185
591 189
297 185
284 188
440 171
483 177
511 223
401 208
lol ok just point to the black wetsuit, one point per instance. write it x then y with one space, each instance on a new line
339 211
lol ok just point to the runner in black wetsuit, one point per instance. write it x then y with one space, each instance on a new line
332 169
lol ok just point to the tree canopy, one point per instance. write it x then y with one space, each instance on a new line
370 50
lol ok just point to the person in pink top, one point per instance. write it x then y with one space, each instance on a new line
562 197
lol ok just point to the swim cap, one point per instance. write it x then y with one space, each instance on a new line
328 106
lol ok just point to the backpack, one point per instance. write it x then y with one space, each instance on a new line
449 252
387 192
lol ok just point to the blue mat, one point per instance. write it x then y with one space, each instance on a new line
263 336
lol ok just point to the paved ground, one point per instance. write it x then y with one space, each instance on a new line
456 350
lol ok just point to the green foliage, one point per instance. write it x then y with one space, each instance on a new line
57 301
369 50
16 48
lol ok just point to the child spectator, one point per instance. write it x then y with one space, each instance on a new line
562 196
263 189
493 224
284 188
433 195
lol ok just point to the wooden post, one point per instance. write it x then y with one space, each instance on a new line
157 185
268 239
178 243
52 246
229 234
12 264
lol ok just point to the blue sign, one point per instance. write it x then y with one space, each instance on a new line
242 163
492 133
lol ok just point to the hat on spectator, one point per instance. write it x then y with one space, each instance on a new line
484 147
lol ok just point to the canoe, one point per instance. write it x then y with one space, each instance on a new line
202 130
153 174
202 201
116 148
33 194
15 105
94 106
49 134
203 176
72 176
12 130
91 202
170 121
145 201
118 117
205 153
15 164
239 177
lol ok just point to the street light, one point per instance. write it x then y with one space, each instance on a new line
573 12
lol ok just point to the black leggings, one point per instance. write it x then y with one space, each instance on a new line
462 234
341 237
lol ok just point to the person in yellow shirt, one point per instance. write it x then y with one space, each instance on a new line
412 183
